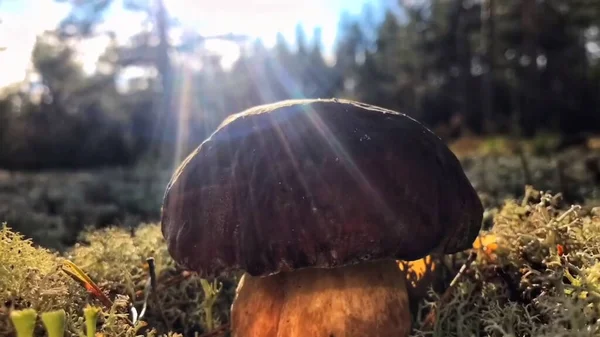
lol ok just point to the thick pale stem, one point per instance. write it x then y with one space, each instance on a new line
367 299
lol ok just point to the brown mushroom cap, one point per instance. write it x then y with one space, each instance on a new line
317 183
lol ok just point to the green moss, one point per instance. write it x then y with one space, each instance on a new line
30 277
115 259
541 280
118 258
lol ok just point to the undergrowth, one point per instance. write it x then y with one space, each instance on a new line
538 274
115 258
30 278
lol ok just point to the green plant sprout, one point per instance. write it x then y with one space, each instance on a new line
91 319
211 293
24 321
54 322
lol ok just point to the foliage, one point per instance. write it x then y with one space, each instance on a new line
66 118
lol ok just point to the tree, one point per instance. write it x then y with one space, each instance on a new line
86 15
320 78
349 47
66 119
488 54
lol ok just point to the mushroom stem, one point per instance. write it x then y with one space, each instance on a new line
366 299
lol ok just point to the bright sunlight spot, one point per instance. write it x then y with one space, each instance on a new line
23 20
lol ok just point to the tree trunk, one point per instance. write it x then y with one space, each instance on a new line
530 88
165 118
487 44
463 55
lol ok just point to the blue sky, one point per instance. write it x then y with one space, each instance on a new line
24 19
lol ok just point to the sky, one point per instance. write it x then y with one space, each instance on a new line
23 20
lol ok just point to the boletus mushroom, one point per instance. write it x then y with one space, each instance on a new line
314 200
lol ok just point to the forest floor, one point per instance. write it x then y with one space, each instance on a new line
522 281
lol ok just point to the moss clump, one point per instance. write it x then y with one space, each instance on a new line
115 258
541 279
30 277
539 275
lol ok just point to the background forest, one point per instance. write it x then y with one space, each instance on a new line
80 148
484 67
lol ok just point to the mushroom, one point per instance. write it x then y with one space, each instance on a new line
313 201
